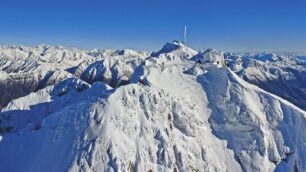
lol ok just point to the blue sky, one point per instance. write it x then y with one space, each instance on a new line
228 25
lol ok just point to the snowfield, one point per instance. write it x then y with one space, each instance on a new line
171 110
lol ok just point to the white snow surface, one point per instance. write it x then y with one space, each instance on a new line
170 114
280 74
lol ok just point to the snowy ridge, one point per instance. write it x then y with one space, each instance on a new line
282 75
172 114
254 87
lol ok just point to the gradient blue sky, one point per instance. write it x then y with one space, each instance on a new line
228 25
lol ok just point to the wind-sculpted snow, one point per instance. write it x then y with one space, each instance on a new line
166 112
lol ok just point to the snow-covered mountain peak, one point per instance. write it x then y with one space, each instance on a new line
176 48
175 110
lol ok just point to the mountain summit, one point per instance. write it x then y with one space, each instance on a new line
176 47
132 111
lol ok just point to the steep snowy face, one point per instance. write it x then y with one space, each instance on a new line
282 75
258 126
174 115
247 117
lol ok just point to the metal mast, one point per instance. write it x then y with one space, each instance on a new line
185 35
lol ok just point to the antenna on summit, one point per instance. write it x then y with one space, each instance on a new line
185 35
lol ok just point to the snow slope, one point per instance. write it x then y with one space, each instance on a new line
279 74
173 115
